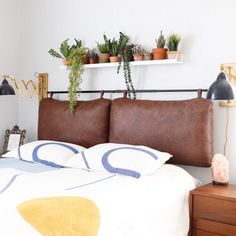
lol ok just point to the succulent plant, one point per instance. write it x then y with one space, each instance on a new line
114 49
173 42
93 53
161 41
104 47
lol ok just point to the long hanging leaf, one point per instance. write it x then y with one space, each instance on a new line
53 53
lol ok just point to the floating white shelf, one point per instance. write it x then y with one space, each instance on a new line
136 63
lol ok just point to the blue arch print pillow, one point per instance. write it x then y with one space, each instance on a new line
53 153
124 159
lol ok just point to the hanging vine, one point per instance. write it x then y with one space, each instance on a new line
126 57
73 59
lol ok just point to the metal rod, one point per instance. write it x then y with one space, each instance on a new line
137 91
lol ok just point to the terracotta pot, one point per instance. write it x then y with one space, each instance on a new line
104 57
159 53
86 58
93 60
65 62
114 59
138 57
147 57
173 55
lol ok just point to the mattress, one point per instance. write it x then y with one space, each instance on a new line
156 204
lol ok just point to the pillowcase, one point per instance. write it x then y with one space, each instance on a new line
124 159
53 153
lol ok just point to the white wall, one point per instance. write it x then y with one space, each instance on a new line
208 39
9 62
9 118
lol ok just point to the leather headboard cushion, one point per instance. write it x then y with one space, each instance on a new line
87 126
182 128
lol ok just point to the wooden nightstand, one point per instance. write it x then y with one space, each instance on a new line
213 211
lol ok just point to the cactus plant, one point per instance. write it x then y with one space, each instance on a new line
173 42
161 41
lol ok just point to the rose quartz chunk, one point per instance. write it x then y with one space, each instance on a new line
220 169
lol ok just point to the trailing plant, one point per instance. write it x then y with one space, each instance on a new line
126 57
105 46
173 42
74 56
65 49
161 41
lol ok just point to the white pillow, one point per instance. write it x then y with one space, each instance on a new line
122 159
53 153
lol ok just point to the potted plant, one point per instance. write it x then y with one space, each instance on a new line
86 56
104 50
93 56
172 44
126 57
72 57
138 52
160 52
114 50
147 55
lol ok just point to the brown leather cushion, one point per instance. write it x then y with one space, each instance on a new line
89 125
182 128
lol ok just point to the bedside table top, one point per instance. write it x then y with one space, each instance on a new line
216 191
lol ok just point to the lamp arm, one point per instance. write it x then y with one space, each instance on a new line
226 130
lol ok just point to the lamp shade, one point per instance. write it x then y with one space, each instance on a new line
6 88
220 89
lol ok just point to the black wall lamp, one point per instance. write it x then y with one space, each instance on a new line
221 89
6 88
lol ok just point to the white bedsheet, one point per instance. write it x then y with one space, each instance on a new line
155 205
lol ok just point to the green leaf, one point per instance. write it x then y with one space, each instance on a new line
53 53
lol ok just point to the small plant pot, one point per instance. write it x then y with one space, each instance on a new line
65 62
86 58
159 53
114 59
173 55
148 57
104 57
138 57
93 60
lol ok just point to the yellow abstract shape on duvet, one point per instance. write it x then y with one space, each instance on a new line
62 216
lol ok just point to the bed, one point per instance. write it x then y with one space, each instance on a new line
114 179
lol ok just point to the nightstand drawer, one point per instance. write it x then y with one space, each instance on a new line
204 233
214 209
214 227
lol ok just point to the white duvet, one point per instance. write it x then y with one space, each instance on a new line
154 205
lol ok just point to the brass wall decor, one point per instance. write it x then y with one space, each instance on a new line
30 88
230 70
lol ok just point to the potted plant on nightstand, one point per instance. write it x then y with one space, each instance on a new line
160 52
73 58
172 44
104 50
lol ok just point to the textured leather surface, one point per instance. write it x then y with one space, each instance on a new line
182 128
89 125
